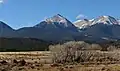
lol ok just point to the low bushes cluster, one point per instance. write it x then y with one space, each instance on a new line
80 51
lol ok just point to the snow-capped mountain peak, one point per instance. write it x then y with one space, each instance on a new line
57 21
109 20
56 18
81 24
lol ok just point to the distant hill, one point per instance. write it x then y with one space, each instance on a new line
22 44
7 31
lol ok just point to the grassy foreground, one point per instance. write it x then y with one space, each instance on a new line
42 61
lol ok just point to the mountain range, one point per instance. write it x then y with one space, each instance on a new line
59 28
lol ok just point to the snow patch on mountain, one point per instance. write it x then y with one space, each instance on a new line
56 18
109 20
81 24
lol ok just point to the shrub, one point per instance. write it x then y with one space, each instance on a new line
94 47
68 52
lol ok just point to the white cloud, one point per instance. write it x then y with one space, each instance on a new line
81 16
1 1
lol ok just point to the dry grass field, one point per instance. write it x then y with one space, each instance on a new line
36 56
42 61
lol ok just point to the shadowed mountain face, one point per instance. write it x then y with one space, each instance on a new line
103 30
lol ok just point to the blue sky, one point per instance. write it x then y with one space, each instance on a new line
19 13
